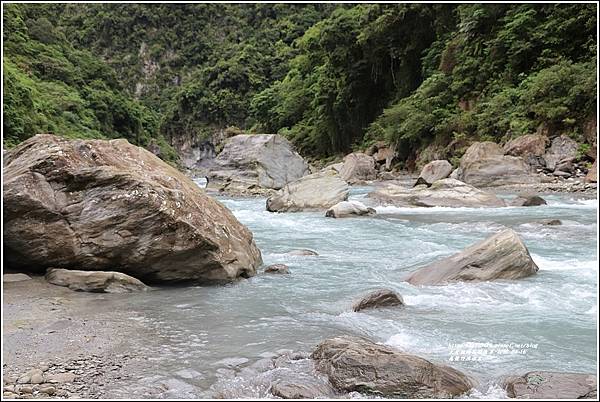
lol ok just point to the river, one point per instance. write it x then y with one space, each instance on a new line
205 336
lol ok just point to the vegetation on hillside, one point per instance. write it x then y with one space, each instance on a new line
329 77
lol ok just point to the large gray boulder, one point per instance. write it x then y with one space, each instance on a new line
109 205
530 147
358 167
433 171
94 281
484 164
501 256
317 191
346 209
357 364
545 385
562 148
442 193
265 161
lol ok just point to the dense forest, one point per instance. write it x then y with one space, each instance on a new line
331 78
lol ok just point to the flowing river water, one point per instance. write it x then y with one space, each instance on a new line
205 338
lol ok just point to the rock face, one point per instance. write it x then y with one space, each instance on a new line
592 175
94 281
313 192
501 256
109 205
349 208
530 147
356 364
562 148
433 171
358 167
259 160
484 164
527 201
545 385
442 193
378 298
277 269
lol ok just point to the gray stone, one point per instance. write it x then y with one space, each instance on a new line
277 269
6 278
49 390
434 170
302 252
357 364
527 145
261 160
358 167
562 147
442 193
527 201
94 281
501 256
101 205
349 208
551 222
378 298
545 385
317 191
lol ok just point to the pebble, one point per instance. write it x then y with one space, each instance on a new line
26 390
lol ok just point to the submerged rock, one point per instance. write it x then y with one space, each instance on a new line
301 387
551 222
102 205
433 171
277 269
527 201
442 193
357 364
545 385
484 164
378 298
313 192
258 160
302 252
501 256
94 281
349 208
358 167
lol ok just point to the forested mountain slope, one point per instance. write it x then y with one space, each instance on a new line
329 77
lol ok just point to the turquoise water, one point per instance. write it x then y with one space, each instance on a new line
214 332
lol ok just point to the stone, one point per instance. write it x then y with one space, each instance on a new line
101 205
26 390
592 174
386 156
378 298
529 146
262 160
501 256
433 171
545 385
302 252
560 173
527 201
358 167
442 193
277 269
551 222
49 390
288 389
94 281
357 364
37 378
7 278
349 208
484 164
317 191
562 147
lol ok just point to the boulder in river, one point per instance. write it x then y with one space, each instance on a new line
349 208
562 147
109 205
313 192
433 171
94 281
357 364
484 164
277 269
302 252
266 161
378 298
358 167
501 256
545 385
442 193
527 201
551 222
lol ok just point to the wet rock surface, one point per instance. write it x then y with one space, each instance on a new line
546 385
378 298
